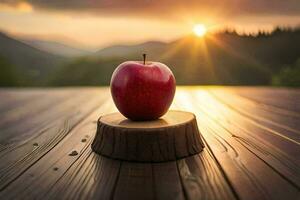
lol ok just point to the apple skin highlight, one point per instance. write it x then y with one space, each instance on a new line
142 90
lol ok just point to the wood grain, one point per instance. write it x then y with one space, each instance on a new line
286 126
202 179
173 136
21 155
248 173
58 168
286 99
251 137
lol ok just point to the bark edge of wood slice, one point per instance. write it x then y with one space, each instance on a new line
175 135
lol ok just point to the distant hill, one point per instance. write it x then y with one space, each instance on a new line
57 48
223 58
125 50
28 65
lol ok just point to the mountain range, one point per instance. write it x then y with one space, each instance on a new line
221 58
56 48
25 64
125 50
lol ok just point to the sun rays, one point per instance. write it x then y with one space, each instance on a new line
199 30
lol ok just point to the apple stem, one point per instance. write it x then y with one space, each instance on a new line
144 56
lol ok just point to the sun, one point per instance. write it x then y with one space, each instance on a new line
199 30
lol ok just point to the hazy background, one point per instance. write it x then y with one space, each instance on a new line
59 43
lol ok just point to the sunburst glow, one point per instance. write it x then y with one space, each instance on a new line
199 30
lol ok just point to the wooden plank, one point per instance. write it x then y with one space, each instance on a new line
23 103
167 183
20 158
216 110
248 174
23 133
148 181
284 159
21 123
202 179
273 102
260 132
12 98
135 182
90 176
282 122
59 174
35 123
18 121
283 98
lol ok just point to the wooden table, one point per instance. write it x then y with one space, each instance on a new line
252 138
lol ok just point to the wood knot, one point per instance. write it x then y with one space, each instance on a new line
73 153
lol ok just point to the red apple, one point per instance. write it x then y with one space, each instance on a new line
142 90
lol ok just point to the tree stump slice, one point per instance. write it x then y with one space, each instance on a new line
173 136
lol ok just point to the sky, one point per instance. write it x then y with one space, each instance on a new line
95 24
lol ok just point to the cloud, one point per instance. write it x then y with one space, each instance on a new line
22 6
171 8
